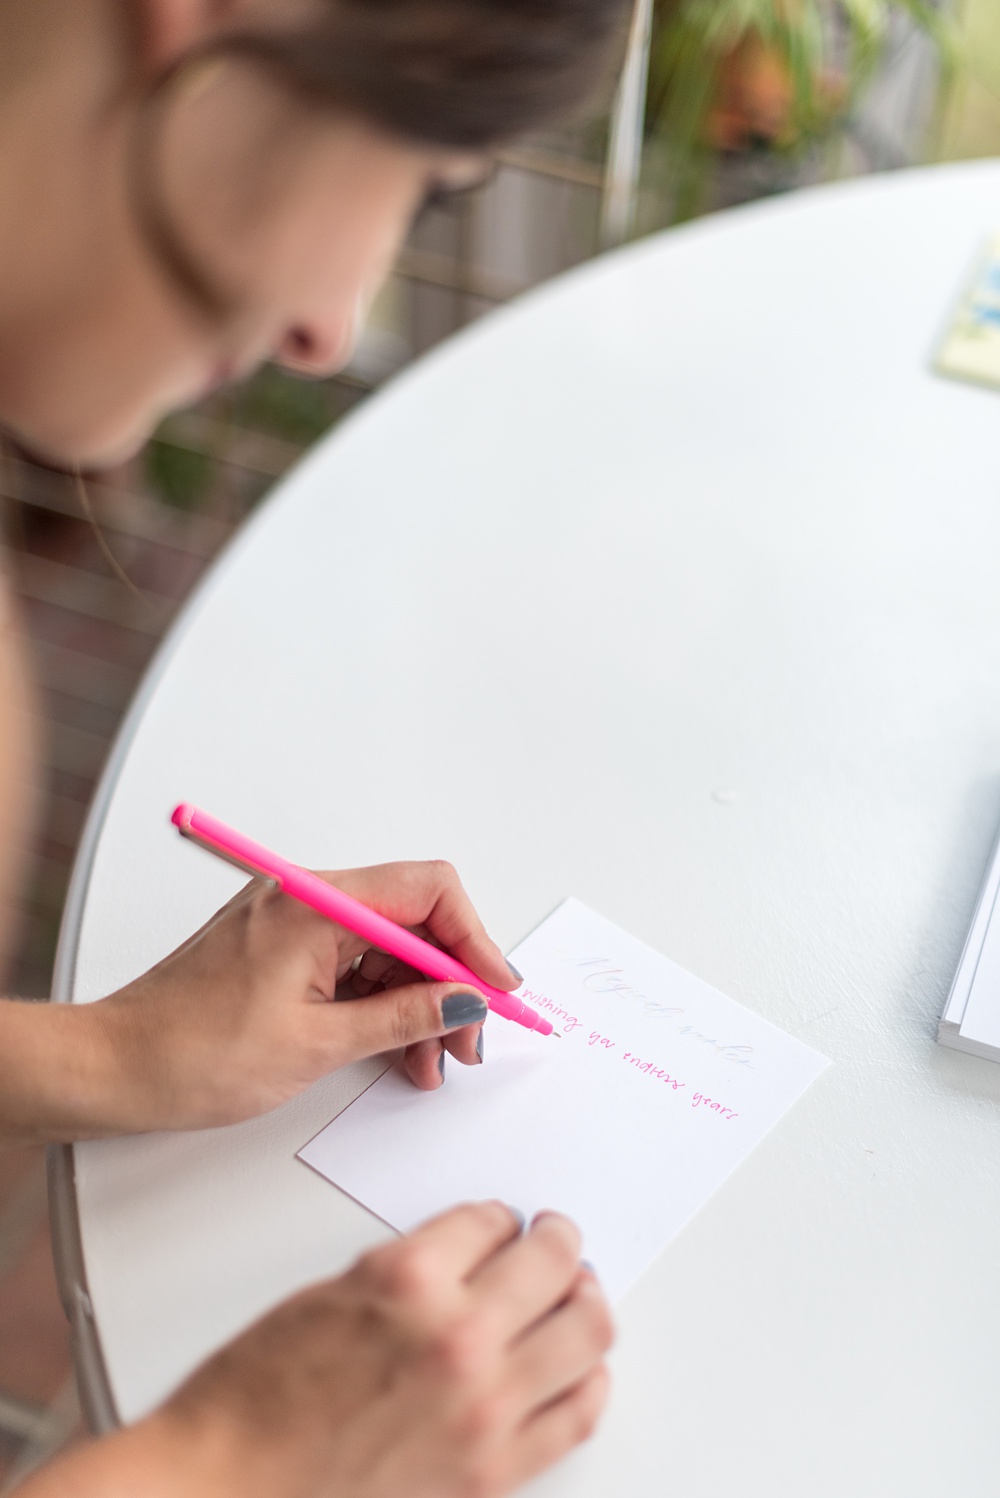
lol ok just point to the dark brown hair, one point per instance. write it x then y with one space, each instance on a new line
469 74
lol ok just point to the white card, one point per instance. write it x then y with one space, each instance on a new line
965 975
657 1088
981 1020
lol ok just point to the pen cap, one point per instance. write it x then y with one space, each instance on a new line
227 844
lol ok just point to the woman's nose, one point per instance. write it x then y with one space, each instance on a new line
309 348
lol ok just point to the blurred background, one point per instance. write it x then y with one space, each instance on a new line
745 99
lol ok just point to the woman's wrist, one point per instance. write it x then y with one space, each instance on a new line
65 1073
160 1457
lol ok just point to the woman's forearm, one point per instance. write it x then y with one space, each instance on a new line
155 1460
61 1073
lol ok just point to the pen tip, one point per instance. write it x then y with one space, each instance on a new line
555 1035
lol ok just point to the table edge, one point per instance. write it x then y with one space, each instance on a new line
93 1384
97 1398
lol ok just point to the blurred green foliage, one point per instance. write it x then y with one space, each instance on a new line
299 410
180 471
178 475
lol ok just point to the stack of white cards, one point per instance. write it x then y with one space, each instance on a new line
971 1018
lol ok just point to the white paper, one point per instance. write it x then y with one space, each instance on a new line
961 988
658 1087
981 1020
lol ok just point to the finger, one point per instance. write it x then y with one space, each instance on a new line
557 1353
371 971
468 1236
395 1019
552 1432
466 1044
424 1064
392 971
376 971
374 967
377 967
431 894
532 1276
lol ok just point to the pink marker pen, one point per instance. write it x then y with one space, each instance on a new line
313 891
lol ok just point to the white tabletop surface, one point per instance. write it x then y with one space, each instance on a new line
676 587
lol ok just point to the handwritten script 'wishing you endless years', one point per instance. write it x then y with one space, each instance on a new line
600 976
658 1087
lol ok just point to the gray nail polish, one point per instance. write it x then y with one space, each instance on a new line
515 972
479 1045
463 1009
441 1065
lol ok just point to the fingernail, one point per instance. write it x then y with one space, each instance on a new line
463 1009
479 1045
545 1212
441 1065
515 972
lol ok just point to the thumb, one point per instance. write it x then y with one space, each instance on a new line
400 1016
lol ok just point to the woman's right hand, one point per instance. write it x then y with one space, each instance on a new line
456 1362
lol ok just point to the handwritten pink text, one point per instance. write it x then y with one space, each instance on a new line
700 1100
653 1070
595 1039
541 1001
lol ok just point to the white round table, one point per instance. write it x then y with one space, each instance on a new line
676 587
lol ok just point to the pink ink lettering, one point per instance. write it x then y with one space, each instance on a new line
541 1001
714 1107
652 1070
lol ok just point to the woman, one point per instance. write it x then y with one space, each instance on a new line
188 187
